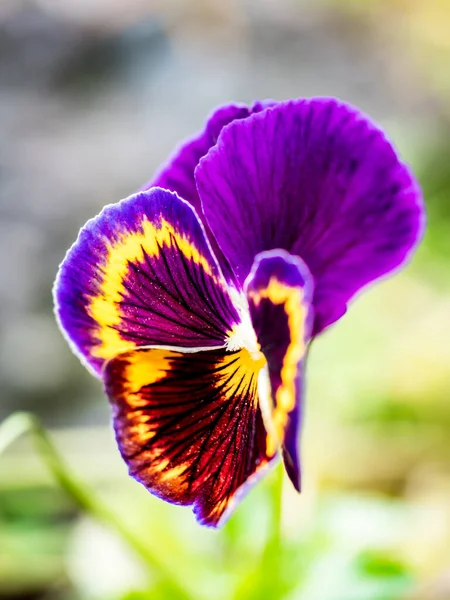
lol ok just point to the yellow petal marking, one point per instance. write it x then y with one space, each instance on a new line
292 300
129 247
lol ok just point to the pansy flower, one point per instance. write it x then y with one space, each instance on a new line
195 299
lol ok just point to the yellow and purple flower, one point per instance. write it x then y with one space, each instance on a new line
195 299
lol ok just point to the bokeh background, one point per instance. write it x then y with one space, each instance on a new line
94 94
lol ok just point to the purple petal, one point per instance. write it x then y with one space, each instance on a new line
142 273
319 179
177 175
279 291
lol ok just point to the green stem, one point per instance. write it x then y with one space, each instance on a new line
22 422
269 582
266 580
272 558
276 537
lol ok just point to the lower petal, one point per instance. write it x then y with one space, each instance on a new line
189 426
279 291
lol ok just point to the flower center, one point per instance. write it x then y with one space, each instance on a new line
242 335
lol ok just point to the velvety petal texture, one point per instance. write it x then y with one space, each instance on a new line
177 174
142 273
317 178
279 291
189 425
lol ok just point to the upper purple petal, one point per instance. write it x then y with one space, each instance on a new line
317 178
177 175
